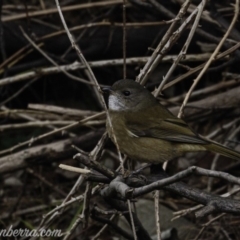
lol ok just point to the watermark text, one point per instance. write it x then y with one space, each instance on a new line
24 232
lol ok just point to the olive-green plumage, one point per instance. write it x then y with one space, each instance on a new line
146 131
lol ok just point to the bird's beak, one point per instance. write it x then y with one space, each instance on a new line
107 89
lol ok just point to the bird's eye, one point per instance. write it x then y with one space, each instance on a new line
126 93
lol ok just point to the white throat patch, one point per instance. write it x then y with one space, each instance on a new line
114 104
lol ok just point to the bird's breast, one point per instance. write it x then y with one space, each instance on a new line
138 148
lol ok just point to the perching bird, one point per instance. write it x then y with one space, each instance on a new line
147 131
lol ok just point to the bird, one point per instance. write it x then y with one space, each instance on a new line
147 131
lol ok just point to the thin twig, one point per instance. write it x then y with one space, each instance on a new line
46 124
50 59
184 48
18 92
124 40
132 221
102 63
33 140
196 69
157 213
74 169
207 224
46 182
103 228
207 90
157 54
86 204
75 7
215 160
93 78
195 82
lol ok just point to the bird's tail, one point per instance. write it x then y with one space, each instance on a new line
225 151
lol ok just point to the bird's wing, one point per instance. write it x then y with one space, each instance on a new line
170 129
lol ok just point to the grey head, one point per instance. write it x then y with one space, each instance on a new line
128 95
